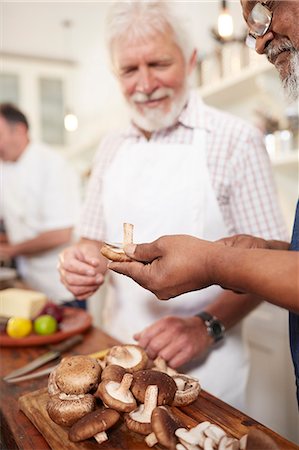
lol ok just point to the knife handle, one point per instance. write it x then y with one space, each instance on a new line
67 344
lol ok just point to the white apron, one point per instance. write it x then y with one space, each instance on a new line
166 189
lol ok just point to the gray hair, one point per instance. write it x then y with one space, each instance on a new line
143 19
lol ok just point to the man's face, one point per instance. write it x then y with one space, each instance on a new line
7 140
153 76
281 42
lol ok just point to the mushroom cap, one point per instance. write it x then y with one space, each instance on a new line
258 439
93 423
114 254
138 427
144 378
131 357
113 373
78 374
53 389
66 410
190 392
124 402
164 423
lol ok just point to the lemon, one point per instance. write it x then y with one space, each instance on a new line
18 327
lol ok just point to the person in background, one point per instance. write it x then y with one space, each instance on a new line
181 167
39 205
178 264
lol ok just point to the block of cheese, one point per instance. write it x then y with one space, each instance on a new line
21 303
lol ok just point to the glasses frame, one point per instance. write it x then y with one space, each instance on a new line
252 35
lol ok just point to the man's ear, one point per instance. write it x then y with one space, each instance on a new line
192 62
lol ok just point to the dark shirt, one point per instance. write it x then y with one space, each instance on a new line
294 318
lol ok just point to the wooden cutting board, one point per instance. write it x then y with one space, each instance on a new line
33 406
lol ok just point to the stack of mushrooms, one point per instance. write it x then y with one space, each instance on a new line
91 396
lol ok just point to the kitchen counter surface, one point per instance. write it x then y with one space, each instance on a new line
17 432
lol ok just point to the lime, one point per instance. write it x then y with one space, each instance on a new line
45 324
18 327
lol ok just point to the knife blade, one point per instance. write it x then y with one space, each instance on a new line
98 355
54 353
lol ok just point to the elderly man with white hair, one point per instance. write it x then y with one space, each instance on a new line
181 167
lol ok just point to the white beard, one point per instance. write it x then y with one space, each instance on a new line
291 82
154 119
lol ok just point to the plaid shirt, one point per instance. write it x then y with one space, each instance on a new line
237 161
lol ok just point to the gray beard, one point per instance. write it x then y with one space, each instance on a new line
291 82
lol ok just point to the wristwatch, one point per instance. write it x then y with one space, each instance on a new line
215 328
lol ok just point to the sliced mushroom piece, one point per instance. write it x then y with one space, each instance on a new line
78 374
243 442
131 357
66 409
94 425
115 253
215 433
117 395
139 420
228 443
257 439
144 378
113 373
209 444
189 394
151 439
193 436
164 424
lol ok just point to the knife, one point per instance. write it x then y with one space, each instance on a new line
55 352
98 355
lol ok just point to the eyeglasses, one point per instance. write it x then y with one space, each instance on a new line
259 21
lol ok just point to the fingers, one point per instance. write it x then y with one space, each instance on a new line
135 270
143 252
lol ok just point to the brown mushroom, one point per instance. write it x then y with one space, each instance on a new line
131 357
166 385
257 440
78 374
113 373
164 424
188 390
66 409
115 252
117 395
53 389
139 420
94 425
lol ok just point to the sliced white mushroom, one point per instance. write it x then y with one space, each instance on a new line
151 439
101 437
243 442
209 444
215 433
228 443
194 436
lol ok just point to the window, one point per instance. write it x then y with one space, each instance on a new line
51 111
9 88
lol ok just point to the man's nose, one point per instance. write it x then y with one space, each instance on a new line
263 41
145 81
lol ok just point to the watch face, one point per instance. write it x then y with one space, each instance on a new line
217 329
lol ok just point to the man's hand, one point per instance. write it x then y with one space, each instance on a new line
81 270
169 266
245 241
177 340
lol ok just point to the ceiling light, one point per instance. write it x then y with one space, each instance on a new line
225 22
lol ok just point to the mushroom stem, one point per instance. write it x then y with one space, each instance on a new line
101 437
125 384
150 400
151 439
128 233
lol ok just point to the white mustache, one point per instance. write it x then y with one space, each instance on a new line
274 49
141 97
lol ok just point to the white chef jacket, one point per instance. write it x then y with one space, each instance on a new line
40 192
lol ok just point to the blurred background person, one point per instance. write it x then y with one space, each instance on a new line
181 167
40 203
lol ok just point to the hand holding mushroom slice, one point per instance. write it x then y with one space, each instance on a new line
94 425
131 357
66 409
188 389
115 253
164 423
77 374
117 395
144 378
139 420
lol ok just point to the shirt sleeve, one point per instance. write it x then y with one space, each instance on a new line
60 194
254 205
